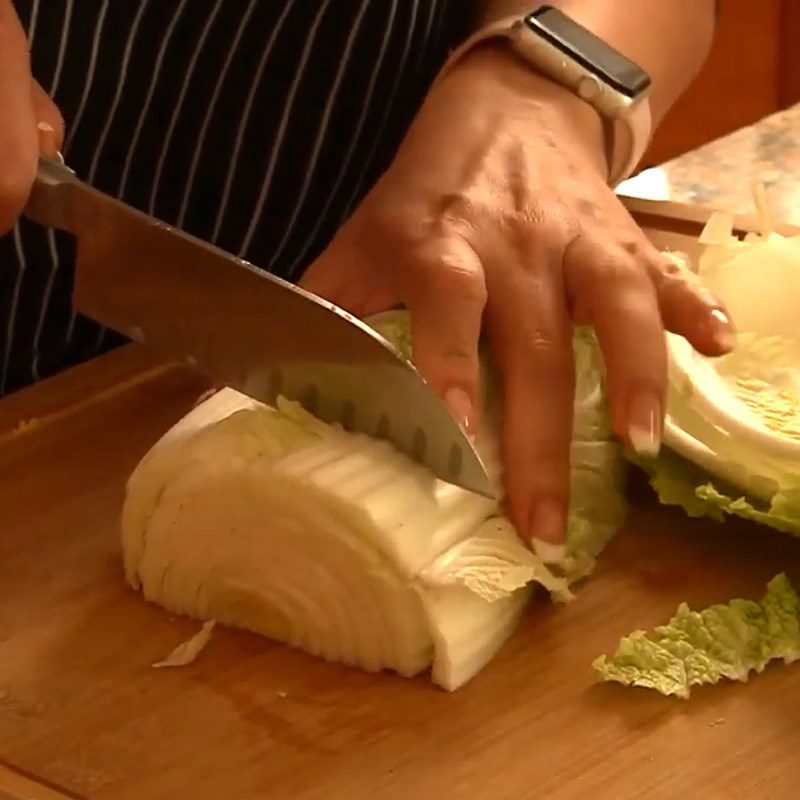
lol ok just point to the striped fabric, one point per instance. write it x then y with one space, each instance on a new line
254 124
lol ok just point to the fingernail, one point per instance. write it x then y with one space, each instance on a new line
547 530
460 405
644 423
723 330
47 140
549 553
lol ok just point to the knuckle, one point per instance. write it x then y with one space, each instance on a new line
679 284
453 365
542 343
460 205
619 275
451 274
536 220
588 209
543 353
465 282
531 216
670 268
533 229
633 246
671 264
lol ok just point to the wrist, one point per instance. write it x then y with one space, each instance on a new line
492 68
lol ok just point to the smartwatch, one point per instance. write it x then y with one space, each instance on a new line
554 45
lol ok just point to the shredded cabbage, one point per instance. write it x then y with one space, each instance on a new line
186 652
733 423
724 641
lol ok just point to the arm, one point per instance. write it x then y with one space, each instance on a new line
669 40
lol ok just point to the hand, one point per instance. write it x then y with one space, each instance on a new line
30 121
496 211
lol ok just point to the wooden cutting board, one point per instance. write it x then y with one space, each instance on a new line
83 715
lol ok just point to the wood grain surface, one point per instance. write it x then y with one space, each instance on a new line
15 785
82 709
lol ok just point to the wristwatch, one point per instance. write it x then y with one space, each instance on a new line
554 45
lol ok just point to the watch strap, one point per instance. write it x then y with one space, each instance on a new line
627 137
627 141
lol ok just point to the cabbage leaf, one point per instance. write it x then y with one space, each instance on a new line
678 482
725 641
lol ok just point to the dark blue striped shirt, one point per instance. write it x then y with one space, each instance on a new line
254 124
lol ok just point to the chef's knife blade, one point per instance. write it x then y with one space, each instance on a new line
245 328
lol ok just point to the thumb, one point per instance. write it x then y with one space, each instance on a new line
444 288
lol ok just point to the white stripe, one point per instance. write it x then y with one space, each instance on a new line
326 116
87 87
344 62
400 68
123 75
32 26
101 333
62 47
89 81
179 105
245 118
159 62
287 109
121 79
54 260
198 150
12 316
345 162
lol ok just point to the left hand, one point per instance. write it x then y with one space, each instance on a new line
496 208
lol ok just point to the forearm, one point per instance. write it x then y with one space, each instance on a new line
670 40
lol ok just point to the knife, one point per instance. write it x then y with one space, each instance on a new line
245 328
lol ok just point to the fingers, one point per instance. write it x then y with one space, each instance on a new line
439 279
688 308
527 319
443 286
18 136
613 291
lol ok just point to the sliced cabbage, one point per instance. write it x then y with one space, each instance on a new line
186 652
335 543
722 642
733 423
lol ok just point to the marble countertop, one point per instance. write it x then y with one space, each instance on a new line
722 173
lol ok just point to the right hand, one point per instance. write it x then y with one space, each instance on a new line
31 123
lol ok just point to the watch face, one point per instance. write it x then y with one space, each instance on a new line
591 52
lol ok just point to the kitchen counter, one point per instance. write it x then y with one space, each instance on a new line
721 174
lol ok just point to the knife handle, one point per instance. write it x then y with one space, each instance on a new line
48 202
